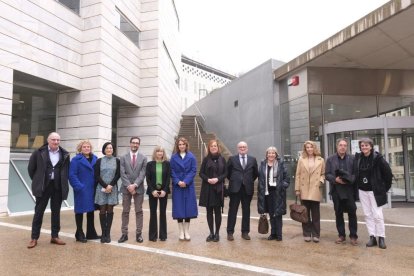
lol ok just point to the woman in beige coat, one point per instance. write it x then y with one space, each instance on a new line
310 176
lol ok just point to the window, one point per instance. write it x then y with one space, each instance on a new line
33 118
73 5
127 28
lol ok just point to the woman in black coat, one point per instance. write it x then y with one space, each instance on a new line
273 182
213 173
158 180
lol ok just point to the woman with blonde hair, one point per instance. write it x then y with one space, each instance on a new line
184 202
213 172
271 191
82 180
158 181
310 177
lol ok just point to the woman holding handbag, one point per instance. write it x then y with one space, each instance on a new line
213 173
273 182
310 176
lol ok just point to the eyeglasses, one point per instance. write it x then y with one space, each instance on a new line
135 143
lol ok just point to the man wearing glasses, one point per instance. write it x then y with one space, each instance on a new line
133 166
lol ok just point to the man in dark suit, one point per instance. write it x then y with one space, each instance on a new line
133 166
242 172
339 173
48 168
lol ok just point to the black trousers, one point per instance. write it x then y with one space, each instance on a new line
235 199
341 206
313 226
51 192
153 225
276 221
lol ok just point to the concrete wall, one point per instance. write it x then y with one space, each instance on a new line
88 54
253 120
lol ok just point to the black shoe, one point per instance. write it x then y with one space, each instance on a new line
230 237
210 238
80 236
246 236
271 237
92 235
139 238
163 239
216 237
153 240
381 243
278 238
372 241
123 238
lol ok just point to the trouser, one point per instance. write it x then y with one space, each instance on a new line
126 207
153 227
50 192
214 218
276 221
313 226
235 199
340 206
374 217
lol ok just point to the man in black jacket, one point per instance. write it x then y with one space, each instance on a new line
242 171
48 168
339 173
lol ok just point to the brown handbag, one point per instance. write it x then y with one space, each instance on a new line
298 212
263 226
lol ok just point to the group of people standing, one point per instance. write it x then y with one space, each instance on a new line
365 176
94 181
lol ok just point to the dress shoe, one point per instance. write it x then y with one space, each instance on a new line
123 238
80 237
210 238
278 238
216 237
381 243
341 240
354 241
93 236
246 236
307 239
57 241
163 239
153 240
372 241
230 237
271 237
32 244
315 239
139 238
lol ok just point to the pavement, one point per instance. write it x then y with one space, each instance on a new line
292 256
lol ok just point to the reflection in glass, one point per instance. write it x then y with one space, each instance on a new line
340 108
400 106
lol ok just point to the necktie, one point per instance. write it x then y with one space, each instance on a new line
243 162
134 157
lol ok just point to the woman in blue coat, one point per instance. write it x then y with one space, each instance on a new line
183 170
82 180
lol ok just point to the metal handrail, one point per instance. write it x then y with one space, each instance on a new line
197 134
199 112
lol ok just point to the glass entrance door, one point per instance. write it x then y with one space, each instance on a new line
401 159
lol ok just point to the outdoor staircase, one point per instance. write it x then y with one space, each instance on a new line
192 129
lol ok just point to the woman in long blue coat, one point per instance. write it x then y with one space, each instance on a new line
82 180
183 170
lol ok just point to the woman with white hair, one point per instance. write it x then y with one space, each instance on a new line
273 182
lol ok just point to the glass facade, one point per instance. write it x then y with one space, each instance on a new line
33 118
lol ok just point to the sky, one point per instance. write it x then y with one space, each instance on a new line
235 36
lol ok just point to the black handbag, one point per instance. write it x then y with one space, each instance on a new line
298 212
263 226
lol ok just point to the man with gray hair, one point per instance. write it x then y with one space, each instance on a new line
48 168
339 173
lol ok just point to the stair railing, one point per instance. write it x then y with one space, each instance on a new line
200 143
